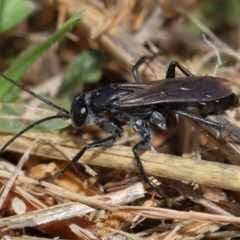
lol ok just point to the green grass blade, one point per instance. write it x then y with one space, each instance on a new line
12 12
25 60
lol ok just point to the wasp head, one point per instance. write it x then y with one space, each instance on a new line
79 111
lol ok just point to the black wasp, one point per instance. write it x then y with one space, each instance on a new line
140 105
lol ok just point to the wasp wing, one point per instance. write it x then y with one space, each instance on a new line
190 89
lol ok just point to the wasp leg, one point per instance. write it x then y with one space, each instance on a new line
107 126
135 67
163 120
142 129
199 119
139 62
171 71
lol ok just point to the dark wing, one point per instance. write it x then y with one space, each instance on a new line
190 89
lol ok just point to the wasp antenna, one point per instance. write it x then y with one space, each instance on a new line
29 127
34 94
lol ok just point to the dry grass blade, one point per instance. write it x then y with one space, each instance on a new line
102 201
163 213
117 41
18 168
157 164
68 210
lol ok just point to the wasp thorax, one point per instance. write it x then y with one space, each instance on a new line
79 111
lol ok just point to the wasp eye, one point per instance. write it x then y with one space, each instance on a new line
79 111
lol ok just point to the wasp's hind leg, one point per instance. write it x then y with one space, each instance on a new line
171 71
200 120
